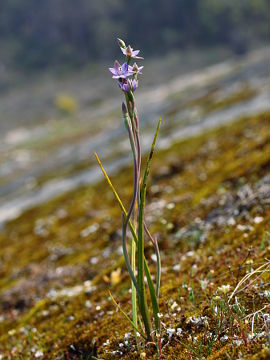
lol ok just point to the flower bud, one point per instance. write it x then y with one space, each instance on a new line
129 51
135 68
121 43
124 108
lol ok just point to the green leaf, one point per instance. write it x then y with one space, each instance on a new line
126 316
142 299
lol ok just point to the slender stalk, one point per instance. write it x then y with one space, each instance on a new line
141 285
133 201
155 244
133 288
141 291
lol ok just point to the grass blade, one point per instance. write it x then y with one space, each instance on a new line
126 316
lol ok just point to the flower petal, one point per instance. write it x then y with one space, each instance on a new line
116 65
113 71
135 52
125 67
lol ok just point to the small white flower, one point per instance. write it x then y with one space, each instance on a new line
179 331
198 320
121 345
204 283
170 332
159 315
238 342
224 288
224 338
266 318
174 305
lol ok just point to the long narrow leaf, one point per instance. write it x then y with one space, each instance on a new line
156 248
132 230
126 316
134 237
126 219
141 236
142 299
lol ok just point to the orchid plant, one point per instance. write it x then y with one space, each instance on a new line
126 76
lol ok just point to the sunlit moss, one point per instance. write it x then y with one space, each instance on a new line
48 248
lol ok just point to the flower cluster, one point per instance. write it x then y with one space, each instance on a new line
126 74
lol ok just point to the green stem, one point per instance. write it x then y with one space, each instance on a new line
141 285
133 289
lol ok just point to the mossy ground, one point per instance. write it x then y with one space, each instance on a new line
208 203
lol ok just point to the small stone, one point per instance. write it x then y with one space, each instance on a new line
89 230
88 304
176 267
174 305
154 257
231 221
93 260
258 219
38 354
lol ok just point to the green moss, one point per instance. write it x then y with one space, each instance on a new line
48 248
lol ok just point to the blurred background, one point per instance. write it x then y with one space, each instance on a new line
207 62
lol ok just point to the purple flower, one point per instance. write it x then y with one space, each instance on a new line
128 85
137 69
121 71
130 53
